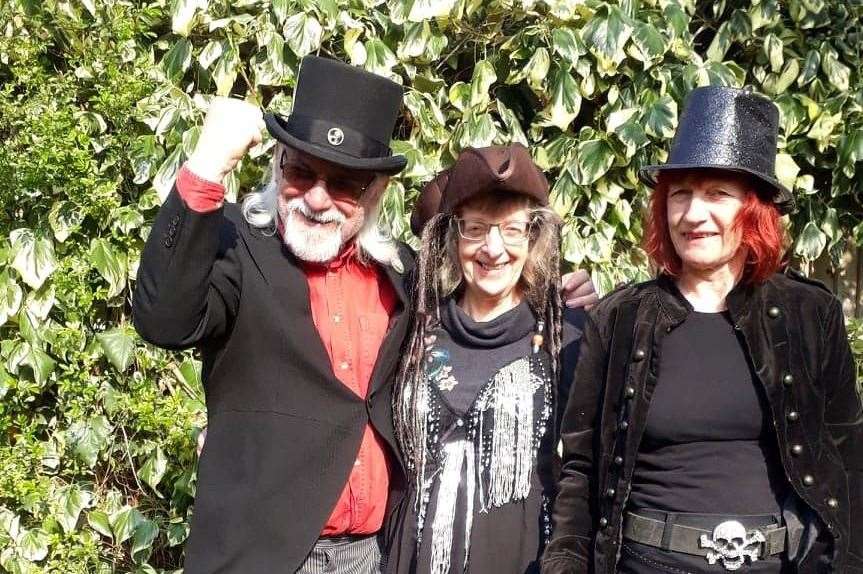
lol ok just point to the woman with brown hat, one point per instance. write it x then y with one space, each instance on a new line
485 369
715 424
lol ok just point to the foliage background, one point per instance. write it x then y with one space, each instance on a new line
101 101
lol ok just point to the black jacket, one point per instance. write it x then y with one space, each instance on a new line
795 338
283 430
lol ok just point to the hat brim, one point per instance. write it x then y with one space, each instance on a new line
783 198
389 165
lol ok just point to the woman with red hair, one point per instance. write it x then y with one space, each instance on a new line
714 423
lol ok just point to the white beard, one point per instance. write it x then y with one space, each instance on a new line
311 243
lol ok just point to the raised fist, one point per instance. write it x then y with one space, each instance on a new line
231 127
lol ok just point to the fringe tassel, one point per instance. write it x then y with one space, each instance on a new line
442 525
512 454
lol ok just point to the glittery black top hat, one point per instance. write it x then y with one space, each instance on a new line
729 129
342 114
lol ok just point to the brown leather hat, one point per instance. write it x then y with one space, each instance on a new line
508 169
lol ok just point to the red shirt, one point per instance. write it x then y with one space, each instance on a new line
351 307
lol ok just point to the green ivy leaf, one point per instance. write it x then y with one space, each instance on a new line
146 532
100 522
650 44
64 218
379 58
10 296
567 44
176 533
183 15
810 68
88 438
124 522
660 118
720 44
154 469
606 35
811 242
838 73
303 33
422 10
71 501
413 45
593 158
163 181
110 263
224 74
33 256
33 545
773 50
177 60
565 99
482 79
29 354
127 218
211 52
786 170
119 346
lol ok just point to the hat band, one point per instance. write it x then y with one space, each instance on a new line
336 137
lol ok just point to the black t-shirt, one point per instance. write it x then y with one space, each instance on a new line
708 446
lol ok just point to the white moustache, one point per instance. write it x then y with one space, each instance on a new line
331 215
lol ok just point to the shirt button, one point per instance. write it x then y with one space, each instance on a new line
832 503
344 365
459 423
808 480
618 460
788 379
610 493
603 522
797 449
337 318
639 355
774 312
624 425
793 416
629 392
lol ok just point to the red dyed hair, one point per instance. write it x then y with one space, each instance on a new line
762 235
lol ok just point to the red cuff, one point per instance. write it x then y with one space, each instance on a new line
199 194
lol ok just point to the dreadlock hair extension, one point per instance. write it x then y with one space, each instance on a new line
410 395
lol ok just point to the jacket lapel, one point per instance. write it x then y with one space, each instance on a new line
282 272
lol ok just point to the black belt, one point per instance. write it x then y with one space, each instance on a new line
728 542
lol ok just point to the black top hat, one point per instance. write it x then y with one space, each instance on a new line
729 129
342 114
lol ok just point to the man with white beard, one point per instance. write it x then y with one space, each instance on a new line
297 303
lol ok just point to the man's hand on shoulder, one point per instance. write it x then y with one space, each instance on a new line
231 127
578 290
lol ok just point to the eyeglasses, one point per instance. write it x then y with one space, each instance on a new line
340 188
512 232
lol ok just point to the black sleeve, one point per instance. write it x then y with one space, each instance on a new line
189 279
844 420
569 551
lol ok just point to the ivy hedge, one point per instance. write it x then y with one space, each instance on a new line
101 102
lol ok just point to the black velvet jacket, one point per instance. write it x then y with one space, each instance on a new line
794 335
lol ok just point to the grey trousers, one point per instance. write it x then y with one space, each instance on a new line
344 555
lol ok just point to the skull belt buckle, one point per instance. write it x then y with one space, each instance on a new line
731 544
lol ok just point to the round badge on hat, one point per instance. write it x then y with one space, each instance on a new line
342 114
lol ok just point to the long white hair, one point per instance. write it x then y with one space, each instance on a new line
261 210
